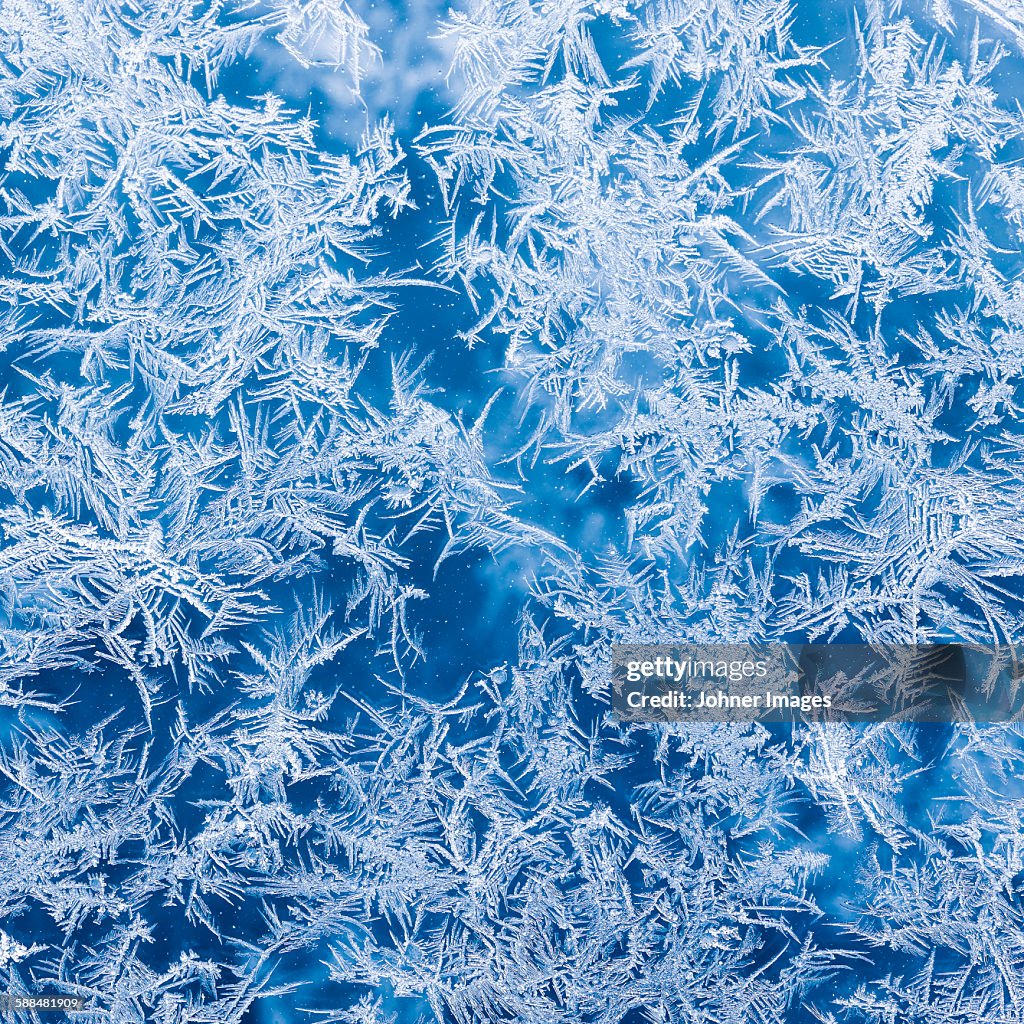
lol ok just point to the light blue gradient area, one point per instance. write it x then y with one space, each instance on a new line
368 371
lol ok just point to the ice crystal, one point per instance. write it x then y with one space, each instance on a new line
332 465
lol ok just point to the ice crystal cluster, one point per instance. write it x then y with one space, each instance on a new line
368 372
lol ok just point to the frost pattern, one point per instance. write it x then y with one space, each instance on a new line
306 608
